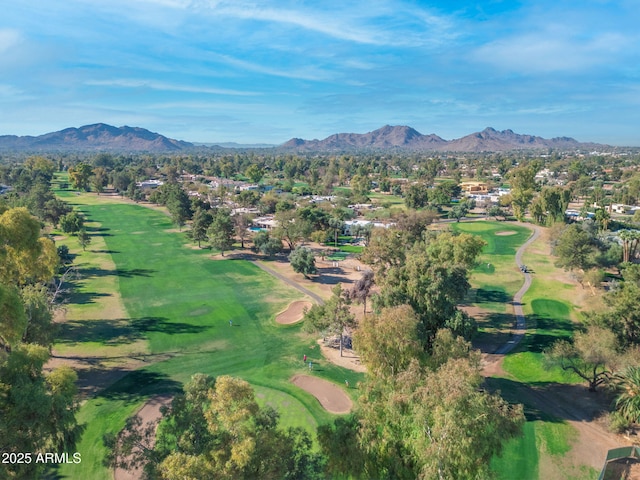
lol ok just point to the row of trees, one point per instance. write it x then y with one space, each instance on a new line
38 408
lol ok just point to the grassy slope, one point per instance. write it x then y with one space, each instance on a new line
496 278
549 317
181 302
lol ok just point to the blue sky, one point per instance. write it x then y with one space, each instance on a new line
209 70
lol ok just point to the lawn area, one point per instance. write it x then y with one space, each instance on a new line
176 303
550 315
496 278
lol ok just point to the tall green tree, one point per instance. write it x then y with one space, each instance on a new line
333 317
200 223
80 176
523 184
575 248
432 279
303 261
220 232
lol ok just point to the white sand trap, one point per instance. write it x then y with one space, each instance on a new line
330 396
504 233
294 312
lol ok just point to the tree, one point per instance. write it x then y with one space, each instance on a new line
360 186
200 223
623 315
418 421
84 239
460 210
266 244
386 249
40 328
99 179
630 243
178 204
628 400
602 219
416 196
25 256
254 172
362 289
303 261
590 356
80 176
388 341
574 248
72 222
432 279
495 211
414 223
220 232
522 180
291 227
333 317
241 224
216 429
336 225
38 410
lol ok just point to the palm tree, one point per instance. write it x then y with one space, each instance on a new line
628 401
630 241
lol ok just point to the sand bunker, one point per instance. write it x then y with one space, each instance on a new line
294 312
504 233
330 396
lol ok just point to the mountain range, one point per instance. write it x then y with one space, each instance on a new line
97 137
102 137
407 138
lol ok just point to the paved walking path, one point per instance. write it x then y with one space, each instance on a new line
288 281
521 325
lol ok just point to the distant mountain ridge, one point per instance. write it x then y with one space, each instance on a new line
99 137
103 137
407 138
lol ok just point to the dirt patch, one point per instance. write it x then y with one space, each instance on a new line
149 414
293 313
330 396
504 233
349 359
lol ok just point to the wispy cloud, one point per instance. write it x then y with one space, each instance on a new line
8 39
552 50
155 85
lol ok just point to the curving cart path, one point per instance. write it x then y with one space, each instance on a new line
521 325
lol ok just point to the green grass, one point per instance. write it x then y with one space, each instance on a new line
178 304
550 317
496 278
540 440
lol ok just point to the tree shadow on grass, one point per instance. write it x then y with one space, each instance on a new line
84 298
121 272
552 402
98 230
107 332
485 295
139 384
547 332
331 279
121 331
164 325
